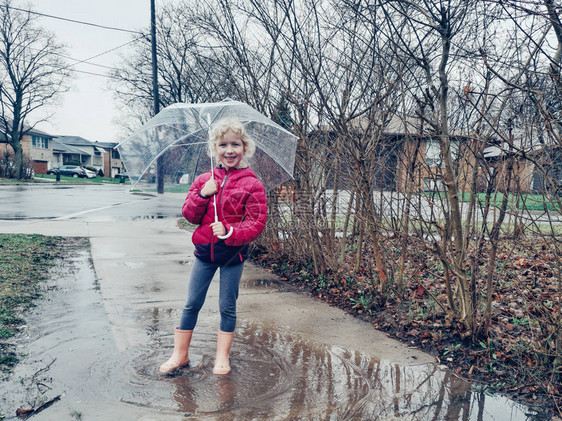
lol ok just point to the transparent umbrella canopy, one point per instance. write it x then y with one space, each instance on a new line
178 136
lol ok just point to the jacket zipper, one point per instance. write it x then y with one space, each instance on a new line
213 249
222 185
213 237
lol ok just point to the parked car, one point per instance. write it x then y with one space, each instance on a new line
90 173
69 170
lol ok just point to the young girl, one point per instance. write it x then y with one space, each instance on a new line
242 214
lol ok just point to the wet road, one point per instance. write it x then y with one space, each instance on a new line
96 339
93 202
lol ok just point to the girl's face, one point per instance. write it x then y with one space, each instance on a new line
230 150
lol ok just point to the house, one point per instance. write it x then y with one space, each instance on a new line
99 155
403 159
63 154
410 158
422 165
112 160
92 155
37 146
534 168
47 151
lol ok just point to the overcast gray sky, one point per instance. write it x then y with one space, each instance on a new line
88 110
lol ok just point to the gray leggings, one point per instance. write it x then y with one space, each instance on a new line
201 276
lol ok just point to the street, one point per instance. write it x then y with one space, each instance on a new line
92 202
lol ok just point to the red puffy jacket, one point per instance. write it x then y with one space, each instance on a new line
241 204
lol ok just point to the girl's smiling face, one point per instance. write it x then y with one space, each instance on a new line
230 150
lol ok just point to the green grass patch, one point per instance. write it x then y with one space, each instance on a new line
96 180
529 202
24 263
175 188
16 181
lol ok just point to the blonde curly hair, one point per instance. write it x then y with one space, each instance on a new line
218 131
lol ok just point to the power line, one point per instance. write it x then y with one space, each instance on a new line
87 60
105 52
84 62
113 28
97 74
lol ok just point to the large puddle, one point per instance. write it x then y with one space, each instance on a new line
72 361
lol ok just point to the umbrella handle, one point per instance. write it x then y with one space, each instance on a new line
212 171
214 195
215 205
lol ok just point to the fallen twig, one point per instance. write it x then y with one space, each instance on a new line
28 412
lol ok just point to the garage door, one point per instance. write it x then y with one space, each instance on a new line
40 167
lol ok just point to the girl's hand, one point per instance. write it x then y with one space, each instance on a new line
218 228
210 187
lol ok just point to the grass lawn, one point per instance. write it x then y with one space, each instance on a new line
175 188
65 179
24 263
530 202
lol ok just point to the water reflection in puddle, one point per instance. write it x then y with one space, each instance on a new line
276 376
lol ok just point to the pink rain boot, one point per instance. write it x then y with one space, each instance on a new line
222 362
182 339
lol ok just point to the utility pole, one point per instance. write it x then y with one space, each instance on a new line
155 95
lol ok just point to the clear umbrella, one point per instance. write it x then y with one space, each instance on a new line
178 136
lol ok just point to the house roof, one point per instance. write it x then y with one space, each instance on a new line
40 132
107 145
59 147
519 146
29 130
75 141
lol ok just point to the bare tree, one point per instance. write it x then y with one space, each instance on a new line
32 74
187 66
538 114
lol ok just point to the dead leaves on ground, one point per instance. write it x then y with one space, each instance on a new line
526 313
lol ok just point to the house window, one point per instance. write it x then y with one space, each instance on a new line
97 153
433 156
115 154
433 184
40 142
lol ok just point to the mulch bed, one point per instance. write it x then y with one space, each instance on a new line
516 359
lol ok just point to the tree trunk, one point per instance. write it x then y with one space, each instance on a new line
466 306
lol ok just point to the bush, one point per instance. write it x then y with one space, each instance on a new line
6 165
8 168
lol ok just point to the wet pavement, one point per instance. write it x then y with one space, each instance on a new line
92 202
94 344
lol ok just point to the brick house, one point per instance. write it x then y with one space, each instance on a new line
99 155
420 156
48 151
531 168
401 153
37 146
409 155
112 164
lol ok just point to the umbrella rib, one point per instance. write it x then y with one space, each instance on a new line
145 129
164 150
